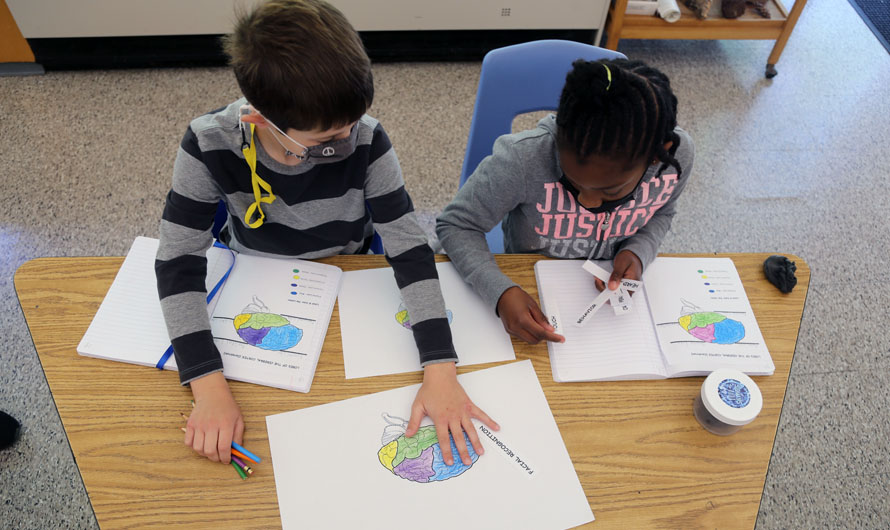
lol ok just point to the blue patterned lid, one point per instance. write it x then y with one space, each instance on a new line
731 396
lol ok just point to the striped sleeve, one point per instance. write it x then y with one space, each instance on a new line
181 265
408 252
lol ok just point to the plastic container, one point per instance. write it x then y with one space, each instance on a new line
728 400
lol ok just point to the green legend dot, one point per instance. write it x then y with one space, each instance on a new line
700 271
298 270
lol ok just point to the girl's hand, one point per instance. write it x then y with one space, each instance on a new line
443 399
523 318
216 419
625 265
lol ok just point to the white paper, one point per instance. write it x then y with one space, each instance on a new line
329 472
587 313
608 346
375 343
711 288
619 299
129 325
292 300
621 302
668 10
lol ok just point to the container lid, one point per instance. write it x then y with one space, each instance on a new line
731 396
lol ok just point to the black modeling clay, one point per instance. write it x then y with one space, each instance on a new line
779 271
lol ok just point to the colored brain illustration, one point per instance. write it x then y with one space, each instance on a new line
405 320
419 458
267 331
713 327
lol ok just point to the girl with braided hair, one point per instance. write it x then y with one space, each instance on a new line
599 180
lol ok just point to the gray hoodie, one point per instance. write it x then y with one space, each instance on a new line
519 183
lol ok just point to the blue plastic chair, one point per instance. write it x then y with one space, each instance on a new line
219 219
517 79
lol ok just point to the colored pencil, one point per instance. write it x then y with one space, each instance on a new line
238 469
239 454
245 452
244 466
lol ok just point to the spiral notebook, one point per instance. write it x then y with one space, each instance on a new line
268 320
690 317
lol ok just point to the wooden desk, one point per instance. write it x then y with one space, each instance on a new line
641 456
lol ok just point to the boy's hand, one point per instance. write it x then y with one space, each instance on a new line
443 399
523 318
625 265
216 419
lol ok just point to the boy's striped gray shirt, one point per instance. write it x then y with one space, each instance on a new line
320 210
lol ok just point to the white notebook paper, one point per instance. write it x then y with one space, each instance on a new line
268 320
690 318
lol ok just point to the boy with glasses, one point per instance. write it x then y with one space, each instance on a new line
304 173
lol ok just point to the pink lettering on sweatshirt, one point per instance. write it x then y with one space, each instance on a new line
563 218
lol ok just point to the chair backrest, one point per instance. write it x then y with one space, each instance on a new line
514 80
517 79
219 219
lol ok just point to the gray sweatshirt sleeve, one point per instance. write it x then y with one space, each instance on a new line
646 241
181 265
408 252
496 187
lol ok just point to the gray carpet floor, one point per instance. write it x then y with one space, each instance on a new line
794 165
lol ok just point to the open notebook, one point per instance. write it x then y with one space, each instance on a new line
690 318
268 320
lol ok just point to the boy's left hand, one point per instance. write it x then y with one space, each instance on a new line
625 265
443 399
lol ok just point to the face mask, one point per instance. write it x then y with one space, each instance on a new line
326 153
605 206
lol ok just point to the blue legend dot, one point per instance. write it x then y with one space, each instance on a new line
710 290
294 292
293 285
706 283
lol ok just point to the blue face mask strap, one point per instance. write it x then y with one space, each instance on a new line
169 351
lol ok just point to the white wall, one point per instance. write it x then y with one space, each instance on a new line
112 18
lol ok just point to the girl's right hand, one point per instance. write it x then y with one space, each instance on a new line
523 318
215 420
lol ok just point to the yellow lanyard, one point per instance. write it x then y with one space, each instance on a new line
257 183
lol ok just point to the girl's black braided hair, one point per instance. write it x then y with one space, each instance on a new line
618 108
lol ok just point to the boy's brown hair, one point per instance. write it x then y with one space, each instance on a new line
301 64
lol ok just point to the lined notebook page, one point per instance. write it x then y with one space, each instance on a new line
129 326
607 347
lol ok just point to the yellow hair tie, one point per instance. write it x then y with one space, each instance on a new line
608 76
